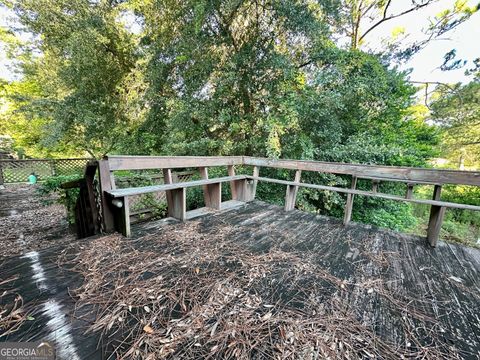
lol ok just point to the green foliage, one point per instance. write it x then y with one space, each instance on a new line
225 77
386 213
457 110
51 189
82 76
461 226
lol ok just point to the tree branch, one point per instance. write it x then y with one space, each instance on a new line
390 17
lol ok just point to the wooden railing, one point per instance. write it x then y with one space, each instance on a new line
243 186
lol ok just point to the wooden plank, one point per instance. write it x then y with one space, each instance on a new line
368 193
398 180
233 188
291 193
435 221
251 186
42 160
349 204
438 176
105 186
214 196
171 186
375 184
178 210
171 162
122 217
204 176
168 179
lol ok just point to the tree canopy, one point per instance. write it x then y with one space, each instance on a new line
292 79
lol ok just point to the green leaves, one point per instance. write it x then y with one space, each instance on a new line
82 66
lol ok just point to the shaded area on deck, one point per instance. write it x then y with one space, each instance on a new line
29 222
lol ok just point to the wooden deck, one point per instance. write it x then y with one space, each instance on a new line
442 282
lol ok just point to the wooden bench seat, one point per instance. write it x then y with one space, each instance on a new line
119 193
176 198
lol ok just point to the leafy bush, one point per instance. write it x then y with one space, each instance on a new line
52 192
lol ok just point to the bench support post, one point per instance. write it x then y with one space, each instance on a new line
241 187
291 195
212 193
349 204
437 214
122 215
233 184
176 198
246 189
168 179
178 206
213 196
251 186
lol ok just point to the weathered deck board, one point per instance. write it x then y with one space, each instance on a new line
444 282
45 290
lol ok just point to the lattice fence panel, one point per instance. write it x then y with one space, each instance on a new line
69 166
17 171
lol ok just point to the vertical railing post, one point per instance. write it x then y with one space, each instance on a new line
291 194
435 221
409 193
349 204
233 184
252 188
168 179
204 176
105 185
212 193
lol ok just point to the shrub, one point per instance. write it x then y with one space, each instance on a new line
52 192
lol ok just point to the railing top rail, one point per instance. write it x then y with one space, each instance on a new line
394 173
438 176
170 162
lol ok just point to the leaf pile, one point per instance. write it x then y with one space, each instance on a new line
189 293
13 312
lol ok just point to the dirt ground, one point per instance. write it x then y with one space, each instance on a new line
27 223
